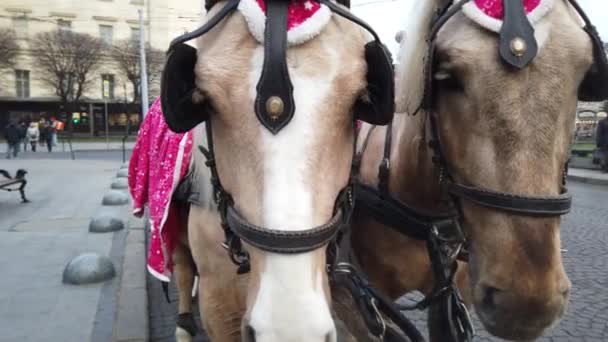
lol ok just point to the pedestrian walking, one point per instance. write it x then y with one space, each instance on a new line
54 126
33 135
601 137
23 134
13 137
46 136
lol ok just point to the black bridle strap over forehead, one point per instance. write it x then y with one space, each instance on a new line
347 15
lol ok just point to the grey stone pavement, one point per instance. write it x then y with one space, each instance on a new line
63 146
39 238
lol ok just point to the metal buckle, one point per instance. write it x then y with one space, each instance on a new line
379 317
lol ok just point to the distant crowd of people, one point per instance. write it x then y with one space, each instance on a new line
32 134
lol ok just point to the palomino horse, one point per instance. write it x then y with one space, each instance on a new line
499 127
270 168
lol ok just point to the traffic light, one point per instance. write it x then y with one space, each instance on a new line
75 118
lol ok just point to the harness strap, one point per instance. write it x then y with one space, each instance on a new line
374 307
359 155
413 222
385 165
519 204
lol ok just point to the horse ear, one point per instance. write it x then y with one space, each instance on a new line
182 104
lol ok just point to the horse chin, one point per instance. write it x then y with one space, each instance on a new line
513 330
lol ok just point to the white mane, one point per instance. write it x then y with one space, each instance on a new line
412 55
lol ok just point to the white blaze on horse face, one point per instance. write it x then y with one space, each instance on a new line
291 305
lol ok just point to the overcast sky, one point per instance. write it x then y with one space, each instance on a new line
387 16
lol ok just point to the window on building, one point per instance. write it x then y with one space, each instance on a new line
20 27
106 32
135 34
64 25
22 83
107 86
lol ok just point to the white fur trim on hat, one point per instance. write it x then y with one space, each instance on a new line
256 21
474 13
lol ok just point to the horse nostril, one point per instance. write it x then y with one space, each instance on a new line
490 297
249 334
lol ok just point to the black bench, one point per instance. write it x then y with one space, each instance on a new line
14 183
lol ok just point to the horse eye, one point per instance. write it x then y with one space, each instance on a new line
442 75
448 81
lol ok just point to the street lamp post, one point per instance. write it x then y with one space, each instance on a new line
142 66
106 94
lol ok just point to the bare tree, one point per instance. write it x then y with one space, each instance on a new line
8 48
67 60
126 54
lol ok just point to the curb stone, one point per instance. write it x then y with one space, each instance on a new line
588 180
131 321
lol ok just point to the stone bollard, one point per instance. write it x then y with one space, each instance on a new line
122 173
106 222
88 268
115 197
120 184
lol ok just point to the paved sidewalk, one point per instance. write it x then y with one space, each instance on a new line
38 239
63 146
588 176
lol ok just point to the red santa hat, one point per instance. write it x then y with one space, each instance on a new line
489 13
305 21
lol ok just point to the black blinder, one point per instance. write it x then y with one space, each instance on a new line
178 87
594 87
377 107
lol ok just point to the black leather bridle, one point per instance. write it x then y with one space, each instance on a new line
524 205
237 228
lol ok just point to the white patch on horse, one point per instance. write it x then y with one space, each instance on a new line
412 56
289 305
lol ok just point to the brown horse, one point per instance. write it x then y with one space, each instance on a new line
288 181
501 130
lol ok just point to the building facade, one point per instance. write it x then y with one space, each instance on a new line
24 95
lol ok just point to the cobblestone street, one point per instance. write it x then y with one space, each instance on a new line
585 239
